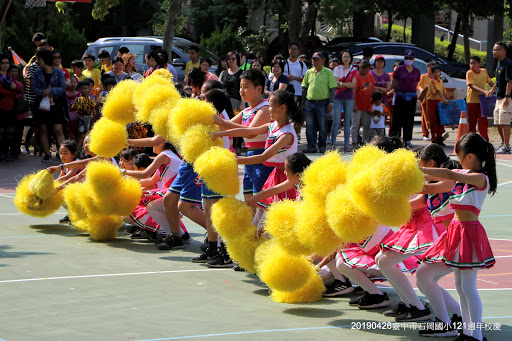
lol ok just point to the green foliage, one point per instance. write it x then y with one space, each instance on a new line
217 12
397 33
101 7
222 41
338 14
159 21
58 28
255 42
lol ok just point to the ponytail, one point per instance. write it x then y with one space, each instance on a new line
284 97
489 168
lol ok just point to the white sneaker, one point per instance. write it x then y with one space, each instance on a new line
445 136
426 138
499 147
503 150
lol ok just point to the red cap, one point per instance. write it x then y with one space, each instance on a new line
380 57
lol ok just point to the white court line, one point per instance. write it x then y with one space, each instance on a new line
502 256
507 240
505 183
108 275
483 280
6 195
503 164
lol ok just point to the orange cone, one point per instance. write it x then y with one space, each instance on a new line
463 128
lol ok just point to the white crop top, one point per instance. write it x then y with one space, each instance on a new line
468 197
274 133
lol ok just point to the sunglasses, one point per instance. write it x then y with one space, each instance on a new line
409 58
6 63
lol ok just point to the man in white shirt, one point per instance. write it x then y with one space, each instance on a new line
295 70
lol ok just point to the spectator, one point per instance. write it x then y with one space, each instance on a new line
334 63
8 91
222 65
303 58
230 80
477 79
104 59
91 71
405 83
21 117
196 79
130 68
154 62
193 54
295 70
248 61
122 51
503 87
423 88
378 112
71 95
206 64
435 94
363 94
319 85
164 56
256 64
57 62
367 54
36 39
346 78
77 67
278 81
49 82
117 70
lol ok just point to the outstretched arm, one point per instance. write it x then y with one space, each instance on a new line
147 141
284 140
270 192
475 179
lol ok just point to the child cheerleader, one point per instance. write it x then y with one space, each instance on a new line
466 248
281 141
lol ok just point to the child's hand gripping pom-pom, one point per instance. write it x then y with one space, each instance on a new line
219 170
231 218
188 112
196 140
280 221
108 138
346 220
310 292
118 105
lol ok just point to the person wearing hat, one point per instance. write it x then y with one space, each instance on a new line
382 79
319 86
405 82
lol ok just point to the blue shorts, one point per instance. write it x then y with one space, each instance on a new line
255 175
186 185
207 193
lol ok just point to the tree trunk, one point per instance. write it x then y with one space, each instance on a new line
451 47
170 27
404 35
294 20
390 26
309 21
465 32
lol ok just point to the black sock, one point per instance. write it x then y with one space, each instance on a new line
223 250
212 248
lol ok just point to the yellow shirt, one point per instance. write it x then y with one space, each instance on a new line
424 81
432 93
95 74
106 68
190 65
82 77
478 79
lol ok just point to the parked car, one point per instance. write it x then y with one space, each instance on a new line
140 46
458 86
453 69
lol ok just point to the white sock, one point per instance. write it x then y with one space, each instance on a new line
465 280
326 276
426 279
387 262
358 277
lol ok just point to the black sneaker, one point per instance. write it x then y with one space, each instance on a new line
358 290
462 337
143 234
439 329
65 220
373 301
171 242
186 238
220 261
131 229
456 321
237 267
46 158
399 310
202 258
413 314
338 288
355 301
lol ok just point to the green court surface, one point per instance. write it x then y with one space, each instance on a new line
57 284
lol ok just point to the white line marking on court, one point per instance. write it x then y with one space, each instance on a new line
108 275
502 256
7 196
10 213
503 164
507 240
505 183
483 280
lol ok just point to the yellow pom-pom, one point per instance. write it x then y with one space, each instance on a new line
322 175
153 95
104 178
364 158
103 227
348 222
163 73
390 211
219 169
73 198
280 221
42 185
29 204
108 138
313 231
231 218
118 105
243 247
188 112
121 202
159 119
397 175
196 140
261 253
281 271
310 292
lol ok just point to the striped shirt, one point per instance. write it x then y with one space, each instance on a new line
30 96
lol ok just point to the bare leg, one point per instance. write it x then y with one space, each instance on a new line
192 212
172 212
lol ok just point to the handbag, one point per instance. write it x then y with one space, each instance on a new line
45 104
21 105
